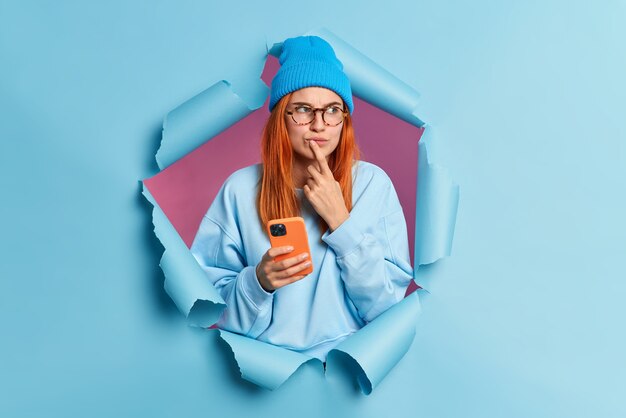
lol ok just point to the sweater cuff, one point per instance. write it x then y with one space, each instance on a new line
344 239
252 288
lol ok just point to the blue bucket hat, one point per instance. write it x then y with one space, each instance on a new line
309 61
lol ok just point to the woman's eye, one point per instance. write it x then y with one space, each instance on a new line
303 109
332 110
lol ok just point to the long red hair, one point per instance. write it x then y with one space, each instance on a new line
277 194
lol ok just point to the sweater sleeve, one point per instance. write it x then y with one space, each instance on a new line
248 306
373 256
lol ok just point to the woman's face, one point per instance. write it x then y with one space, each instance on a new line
327 137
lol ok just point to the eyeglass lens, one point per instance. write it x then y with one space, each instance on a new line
332 115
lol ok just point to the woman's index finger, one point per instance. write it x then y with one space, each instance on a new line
321 159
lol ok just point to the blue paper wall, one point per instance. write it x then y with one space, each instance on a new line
525 105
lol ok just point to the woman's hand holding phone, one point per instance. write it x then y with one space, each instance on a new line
273 275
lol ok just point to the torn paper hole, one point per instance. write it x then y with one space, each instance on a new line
184 189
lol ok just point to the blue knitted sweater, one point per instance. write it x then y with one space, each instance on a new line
360 269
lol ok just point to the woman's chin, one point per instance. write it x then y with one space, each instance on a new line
307 156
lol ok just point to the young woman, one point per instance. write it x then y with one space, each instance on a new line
356 228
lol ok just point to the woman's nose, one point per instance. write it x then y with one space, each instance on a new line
318 122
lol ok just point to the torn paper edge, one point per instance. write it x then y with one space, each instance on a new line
185 281
257 360
199 119
373 83
387 338
436 208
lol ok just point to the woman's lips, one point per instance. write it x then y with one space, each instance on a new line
319 141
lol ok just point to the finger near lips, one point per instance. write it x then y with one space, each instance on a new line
319 156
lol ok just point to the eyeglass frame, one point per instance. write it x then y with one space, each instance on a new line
315 110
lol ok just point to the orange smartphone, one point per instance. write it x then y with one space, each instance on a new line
290 231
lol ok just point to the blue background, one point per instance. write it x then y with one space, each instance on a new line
526 108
